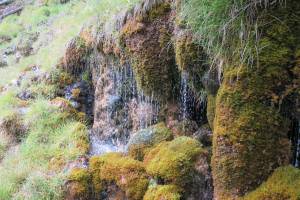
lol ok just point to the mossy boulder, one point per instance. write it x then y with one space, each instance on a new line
174 161
146 39
142 141
251 124
78 185
168 192
283 184
124 172
244 125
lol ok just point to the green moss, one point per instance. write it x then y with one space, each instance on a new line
173 161
149 48
74 61
189 54
169 192
211 106
126 173
250 114
159 10
243 126
145 139
79 183
191 59
283 184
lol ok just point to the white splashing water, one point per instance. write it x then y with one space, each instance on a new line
99 146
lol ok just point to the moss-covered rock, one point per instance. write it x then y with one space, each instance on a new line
146 39
142 141
174 161
168 192
251 123
283 184
74 60
191 58
113 168
211 106
245 125
78 184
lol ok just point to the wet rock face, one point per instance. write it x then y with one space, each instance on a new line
120 109
202 183
81 97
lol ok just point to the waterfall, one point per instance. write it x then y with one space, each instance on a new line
120 109
184 95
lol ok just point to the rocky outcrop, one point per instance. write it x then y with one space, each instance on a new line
251 123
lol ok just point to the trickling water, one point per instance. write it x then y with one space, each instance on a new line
120 110
81 100
297 164
184 95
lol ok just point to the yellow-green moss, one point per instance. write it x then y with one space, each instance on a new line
250 127
191 58
126 173
211 106
188 53
243 126
159 10
173 161
167 192
144 140
283 184
149 47
79 181
74 60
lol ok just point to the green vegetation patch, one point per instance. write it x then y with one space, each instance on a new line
283 184
127 173
145 139
173 161
170 192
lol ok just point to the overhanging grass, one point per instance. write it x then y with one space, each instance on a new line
227 29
